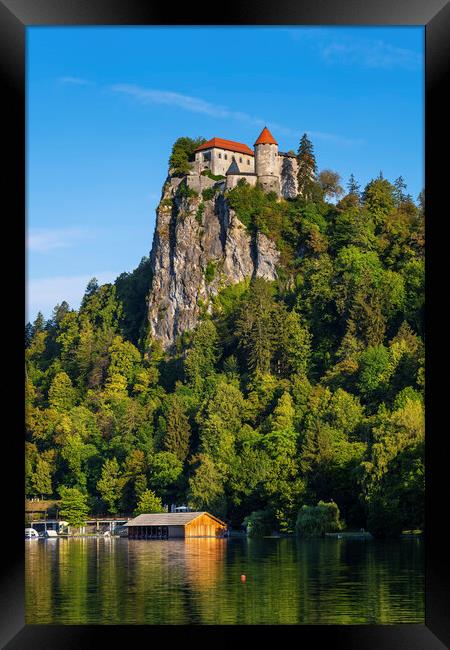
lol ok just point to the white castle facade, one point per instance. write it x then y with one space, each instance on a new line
273 170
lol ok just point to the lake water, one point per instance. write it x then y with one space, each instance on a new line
329 581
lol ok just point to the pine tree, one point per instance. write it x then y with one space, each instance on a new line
353 186
178 430
399 194
307 167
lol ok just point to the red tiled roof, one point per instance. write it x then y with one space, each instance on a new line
229 145
266 137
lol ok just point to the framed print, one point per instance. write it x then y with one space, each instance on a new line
231 407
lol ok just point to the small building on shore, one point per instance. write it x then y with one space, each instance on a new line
172 525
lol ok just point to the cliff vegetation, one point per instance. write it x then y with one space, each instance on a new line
291 389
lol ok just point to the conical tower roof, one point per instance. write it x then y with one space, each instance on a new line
266 137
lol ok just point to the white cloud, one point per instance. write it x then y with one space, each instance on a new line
186 102
77 81
43 240
371 54
197 105
334 47
42 294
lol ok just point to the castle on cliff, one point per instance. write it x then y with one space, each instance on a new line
200 245
273 170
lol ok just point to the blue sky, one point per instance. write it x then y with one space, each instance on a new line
105 104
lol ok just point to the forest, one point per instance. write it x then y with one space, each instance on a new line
287 396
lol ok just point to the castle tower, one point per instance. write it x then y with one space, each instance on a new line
266 161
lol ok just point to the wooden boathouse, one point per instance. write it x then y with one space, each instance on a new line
172 525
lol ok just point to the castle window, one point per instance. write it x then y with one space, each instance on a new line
226 157
240 159
248 161
220 155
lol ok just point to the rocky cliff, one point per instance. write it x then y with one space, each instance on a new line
198 247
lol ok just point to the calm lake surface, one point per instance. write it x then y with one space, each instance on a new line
197 581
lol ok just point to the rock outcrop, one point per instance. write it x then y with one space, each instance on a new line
198 247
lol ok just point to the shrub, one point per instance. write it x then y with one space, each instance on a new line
315 521
210 271
199 213
259 523
184 190
208 194
213 177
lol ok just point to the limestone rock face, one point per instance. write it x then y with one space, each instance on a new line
199 246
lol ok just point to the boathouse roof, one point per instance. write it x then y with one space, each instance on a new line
169 519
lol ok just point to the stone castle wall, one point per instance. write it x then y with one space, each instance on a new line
218 161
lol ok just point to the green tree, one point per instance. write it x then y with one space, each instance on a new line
164 471
256 326
110 484
41 478
125 359
182 150
393 475
206 489
315 521
378 197
178 430
399 191
259 523
62 395
293 352
73 506
201 356
307 167
148 502
353 186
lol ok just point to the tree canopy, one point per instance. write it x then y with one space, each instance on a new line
287 397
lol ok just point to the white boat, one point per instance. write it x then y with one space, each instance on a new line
50 534
31 533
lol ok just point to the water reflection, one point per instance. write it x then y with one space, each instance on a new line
197 580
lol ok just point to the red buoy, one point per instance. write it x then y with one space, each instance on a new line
243 578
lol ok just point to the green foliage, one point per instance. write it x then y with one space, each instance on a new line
202 354
110 484
182 150
378 197
214 177
61 395
177 429
73 506
132 290
41 478
184 190
208 194
206 490
164 470
315 521
307 167
148 503
259 523
199 213
302 390
210 271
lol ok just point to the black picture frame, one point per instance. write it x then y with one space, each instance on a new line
15 16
